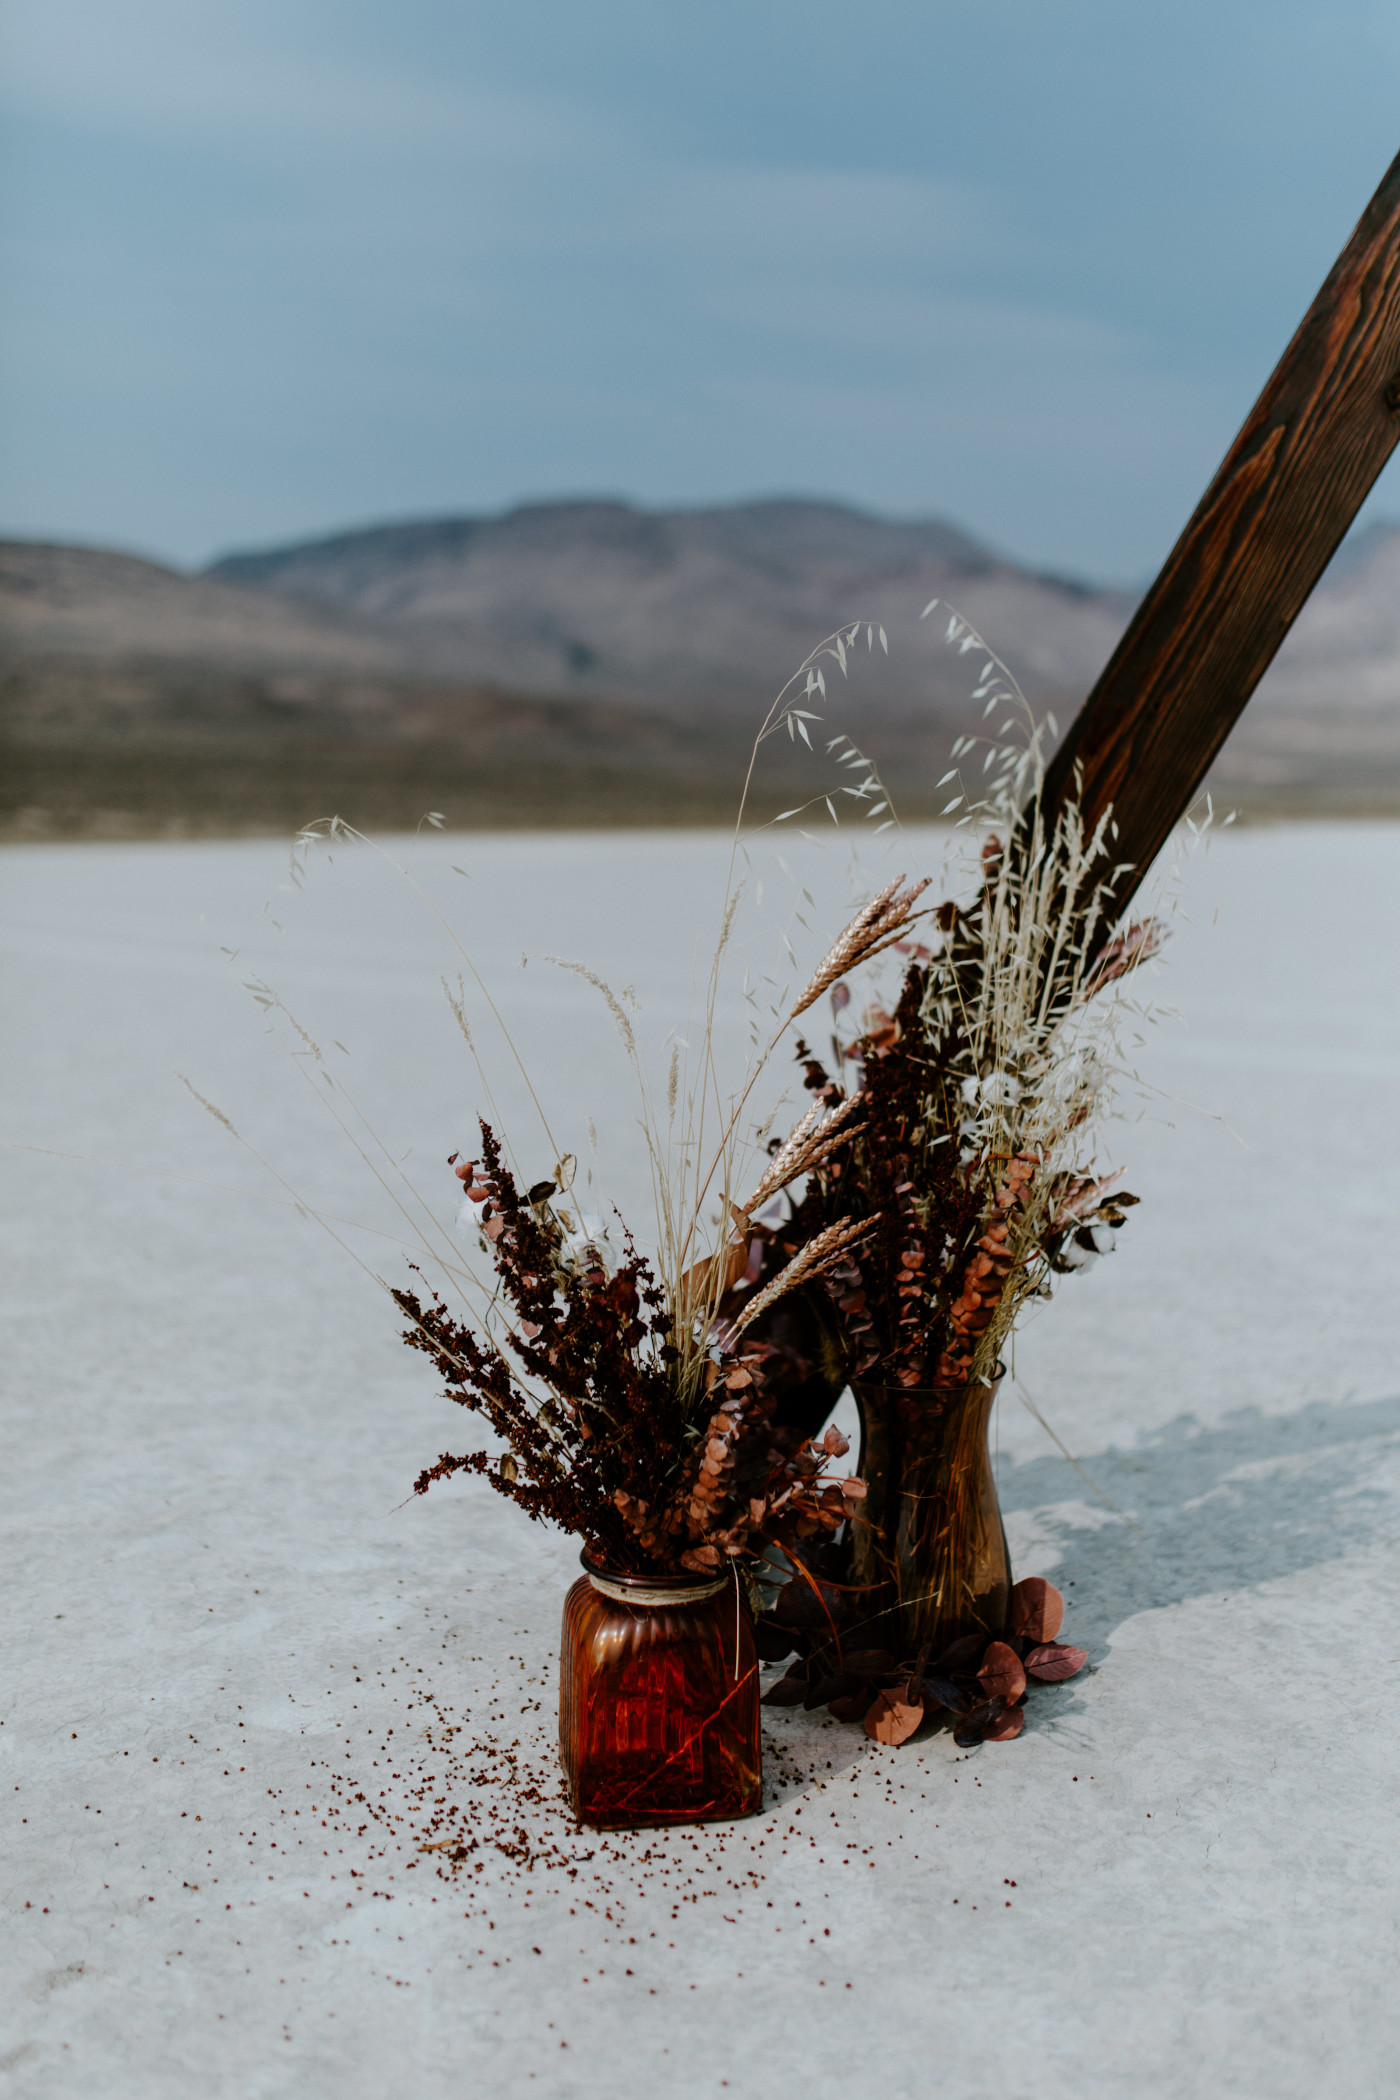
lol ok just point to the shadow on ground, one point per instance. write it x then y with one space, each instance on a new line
1212 1511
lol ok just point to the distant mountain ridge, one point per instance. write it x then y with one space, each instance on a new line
94 602
782 534
592 662
717 605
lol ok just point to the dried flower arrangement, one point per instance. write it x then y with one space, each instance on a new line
641 1415
978 1096
636 1412
973 1114
625 1403
670 1411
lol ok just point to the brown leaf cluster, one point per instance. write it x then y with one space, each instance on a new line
977 1686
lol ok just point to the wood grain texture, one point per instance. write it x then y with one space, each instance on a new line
1242 570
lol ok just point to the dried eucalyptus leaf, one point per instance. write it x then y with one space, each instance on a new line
1035 1608
869 1662
957 1658
893 1718
1001 1673
1053 1661
975 1727
825 1689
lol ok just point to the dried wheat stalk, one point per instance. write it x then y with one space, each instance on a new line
873 926
810 1143
819 1255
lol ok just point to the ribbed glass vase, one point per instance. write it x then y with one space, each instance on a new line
928 1550
659 1699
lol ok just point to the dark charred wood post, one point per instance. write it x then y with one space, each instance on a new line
1241 572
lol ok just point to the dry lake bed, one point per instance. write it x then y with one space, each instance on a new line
247 1682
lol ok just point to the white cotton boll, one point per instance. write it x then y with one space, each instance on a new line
588 1243
1076 1255
997 1090
1073 1256
1000 1089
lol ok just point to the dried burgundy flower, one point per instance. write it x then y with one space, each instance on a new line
604 1435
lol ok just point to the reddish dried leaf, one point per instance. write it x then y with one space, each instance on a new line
1001 1673
822 1690
953 1661
892 1719
941 1691
785 1693
810 1606
868 1662
1006 1727
852 1708
1035 1608
972 1728
1054 1661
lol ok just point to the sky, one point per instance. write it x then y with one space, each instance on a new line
275 268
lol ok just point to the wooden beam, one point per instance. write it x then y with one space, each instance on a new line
1242 571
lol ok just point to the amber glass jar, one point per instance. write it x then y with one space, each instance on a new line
927 1545
658 1699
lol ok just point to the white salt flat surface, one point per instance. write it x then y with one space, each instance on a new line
224 1625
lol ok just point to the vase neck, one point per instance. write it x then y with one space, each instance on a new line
932 1395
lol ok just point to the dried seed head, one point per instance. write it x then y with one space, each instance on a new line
873 926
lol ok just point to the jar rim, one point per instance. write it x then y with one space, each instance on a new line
684 1587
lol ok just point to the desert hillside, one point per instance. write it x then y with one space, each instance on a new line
712 608
593 663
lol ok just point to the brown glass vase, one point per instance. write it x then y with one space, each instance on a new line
658 1699
928 1550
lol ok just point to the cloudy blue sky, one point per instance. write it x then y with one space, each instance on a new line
278 266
